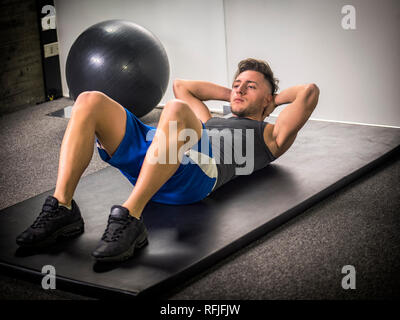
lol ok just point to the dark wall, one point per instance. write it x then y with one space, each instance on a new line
21 71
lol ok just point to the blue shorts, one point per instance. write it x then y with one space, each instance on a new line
192 181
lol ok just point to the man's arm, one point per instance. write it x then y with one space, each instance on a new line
195 92
302 101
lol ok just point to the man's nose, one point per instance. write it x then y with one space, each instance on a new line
241 89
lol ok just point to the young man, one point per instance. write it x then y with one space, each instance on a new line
128 144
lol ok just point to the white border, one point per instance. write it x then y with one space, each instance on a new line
348 122
359 123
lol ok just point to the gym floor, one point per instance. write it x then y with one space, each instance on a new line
302 259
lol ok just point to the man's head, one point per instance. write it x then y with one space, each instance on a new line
252 90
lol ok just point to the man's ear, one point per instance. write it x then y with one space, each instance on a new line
267 99
268 106
265 111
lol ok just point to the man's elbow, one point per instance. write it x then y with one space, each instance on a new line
180 83
177 83
313 88
178 87
312 93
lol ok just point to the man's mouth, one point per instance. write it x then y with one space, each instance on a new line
238 100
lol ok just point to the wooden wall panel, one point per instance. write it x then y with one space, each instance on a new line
21 72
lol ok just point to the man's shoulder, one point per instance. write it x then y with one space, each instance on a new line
269 139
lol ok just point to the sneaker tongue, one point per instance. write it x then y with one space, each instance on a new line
50 203
119 212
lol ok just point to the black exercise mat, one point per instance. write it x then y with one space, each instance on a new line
184 240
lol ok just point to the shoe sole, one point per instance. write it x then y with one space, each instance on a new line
69 231
138 244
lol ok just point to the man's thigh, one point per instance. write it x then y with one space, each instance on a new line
195 177
129 154
110 122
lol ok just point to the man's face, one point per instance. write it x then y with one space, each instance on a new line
250 94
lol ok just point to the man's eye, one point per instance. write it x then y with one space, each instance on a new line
252 87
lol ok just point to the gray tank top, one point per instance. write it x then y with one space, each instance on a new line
238 147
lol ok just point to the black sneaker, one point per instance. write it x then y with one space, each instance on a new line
52 223
124 233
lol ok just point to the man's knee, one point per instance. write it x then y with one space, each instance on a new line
177 110
88 103
186 120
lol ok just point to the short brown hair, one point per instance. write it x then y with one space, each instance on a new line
260 66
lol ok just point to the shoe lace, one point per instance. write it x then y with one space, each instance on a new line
112 235
45 216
